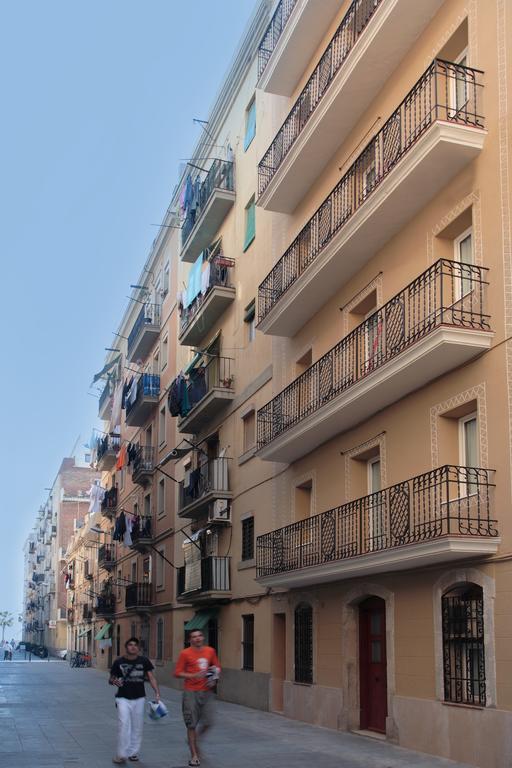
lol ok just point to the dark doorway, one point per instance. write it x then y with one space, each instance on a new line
372 664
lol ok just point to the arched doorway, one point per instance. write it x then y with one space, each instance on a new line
373 664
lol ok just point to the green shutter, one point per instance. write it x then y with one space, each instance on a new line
250 224
250 125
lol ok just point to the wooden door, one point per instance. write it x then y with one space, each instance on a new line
372 664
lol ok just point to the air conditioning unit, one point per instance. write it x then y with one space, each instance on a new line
220 511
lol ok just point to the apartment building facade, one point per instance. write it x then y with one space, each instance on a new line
314 464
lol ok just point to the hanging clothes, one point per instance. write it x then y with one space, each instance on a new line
205 277
121 458
96 494
120 527
115 418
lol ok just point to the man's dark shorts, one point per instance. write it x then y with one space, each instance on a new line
197 706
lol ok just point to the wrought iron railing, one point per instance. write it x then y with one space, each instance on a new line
447 293
105 605
142 526
219 276
106 555
107 443
215 576
148 315
138 595
109 503
216 374
447 501
86 612
273 33
220 176
210 476
352 26
148 385
144 460
447 92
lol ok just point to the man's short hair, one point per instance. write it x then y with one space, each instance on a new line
193 631
132 640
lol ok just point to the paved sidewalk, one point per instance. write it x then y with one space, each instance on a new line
52 716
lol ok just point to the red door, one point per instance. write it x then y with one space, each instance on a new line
372 664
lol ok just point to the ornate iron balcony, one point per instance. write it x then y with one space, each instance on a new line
448 293
445 92
352 26
220 176
449 501
138 595
273 32
106 556
213 576
148 316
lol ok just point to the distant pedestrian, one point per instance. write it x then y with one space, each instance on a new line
7 651
128 674
200 668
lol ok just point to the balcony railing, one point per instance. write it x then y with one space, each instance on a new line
203 379
106 450
209 477
445 92
273 32
106 556
219 277
104 398
352 26
109 503
220 176
149 315
105 605
213 576
449 501
448 293
143 463
141 529
138 595
86 612
148 385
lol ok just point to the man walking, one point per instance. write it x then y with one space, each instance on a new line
199 667
128 674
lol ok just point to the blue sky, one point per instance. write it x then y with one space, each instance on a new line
98 98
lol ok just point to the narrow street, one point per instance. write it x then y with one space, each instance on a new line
53 716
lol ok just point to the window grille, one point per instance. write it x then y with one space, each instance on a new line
248 538
463 646
248 642
304 644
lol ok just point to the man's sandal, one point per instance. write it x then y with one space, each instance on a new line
194 761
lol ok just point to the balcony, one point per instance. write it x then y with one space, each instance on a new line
107 556
441 516
141 401
209 390
143 464
205 485
107 449
208 208
109 503
290 41
86 612
432 326
204 581
138 596
199 316
144 333
425 143
105 605
364 51
105 403
141 532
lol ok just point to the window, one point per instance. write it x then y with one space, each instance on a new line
161 497
161 426
463 645
459 87
134 572
248 538
248 642
250 320
166 280
250 124
250 222
119 579
146 570
375 523
463 246
468 450
165 352
160 639
303 644
303 500
249 425
160 564
156 363
87 458
147 505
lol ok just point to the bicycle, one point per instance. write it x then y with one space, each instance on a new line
80 659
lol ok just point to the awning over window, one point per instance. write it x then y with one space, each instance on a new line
200 619
84 632
103 631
